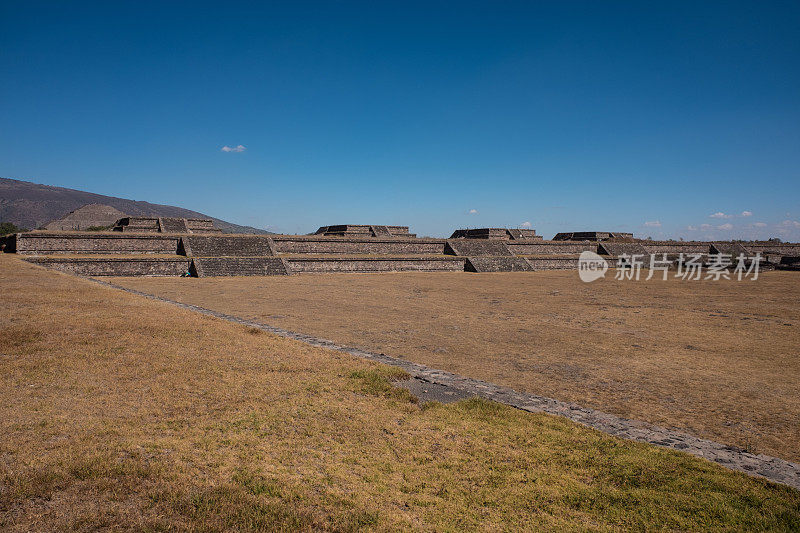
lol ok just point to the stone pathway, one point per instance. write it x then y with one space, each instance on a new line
446 385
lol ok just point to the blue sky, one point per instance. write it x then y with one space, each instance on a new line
668 120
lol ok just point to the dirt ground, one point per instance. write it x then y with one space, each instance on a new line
717 359
119 413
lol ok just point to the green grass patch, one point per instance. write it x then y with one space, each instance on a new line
377 381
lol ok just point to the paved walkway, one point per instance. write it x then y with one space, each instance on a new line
447 384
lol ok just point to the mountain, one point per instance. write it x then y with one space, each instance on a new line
31 205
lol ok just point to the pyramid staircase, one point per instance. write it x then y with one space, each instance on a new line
238 266
497 264
476 247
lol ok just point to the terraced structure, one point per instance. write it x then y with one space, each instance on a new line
195 247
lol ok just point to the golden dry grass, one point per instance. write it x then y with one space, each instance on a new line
717 359
121 413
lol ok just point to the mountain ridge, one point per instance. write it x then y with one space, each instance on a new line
32 205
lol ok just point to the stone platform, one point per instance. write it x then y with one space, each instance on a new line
497 264
226 246
476 248
363 230
43 243
238 266
247 255
375 264
116 266
500 234
165 225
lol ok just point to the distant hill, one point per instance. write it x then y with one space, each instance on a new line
31 205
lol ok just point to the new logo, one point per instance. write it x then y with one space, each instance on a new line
591 266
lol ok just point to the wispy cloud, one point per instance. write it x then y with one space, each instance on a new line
747 213
653 224
790 224
726 226
237 148
526 224
759 224
691 228
720 214
473 211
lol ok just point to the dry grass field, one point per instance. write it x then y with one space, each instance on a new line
720 360
121 413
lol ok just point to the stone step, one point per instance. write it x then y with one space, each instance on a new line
226 246
730 248
476 247
173 225
619 248
497 264
238 266
380 231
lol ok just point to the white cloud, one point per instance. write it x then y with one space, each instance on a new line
237 148
790 224
473 211
526 224
725 226
691 228
760 224
653 224
720 214
706 226
747 213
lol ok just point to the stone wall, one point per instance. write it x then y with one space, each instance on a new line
501 234
550 247
375 264
256 255
553 263
790 249
364 230
476 248
201 225
676 247
591 235
227 245
619 248
115 266
497 264
138 225
730 248
165 225
296 244
173 225
35 243
239 266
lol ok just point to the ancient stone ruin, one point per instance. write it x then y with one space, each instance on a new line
351 230
89 217
165 225
500 234
140 246
592 236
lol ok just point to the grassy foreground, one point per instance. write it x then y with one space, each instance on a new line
678 354
122 413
